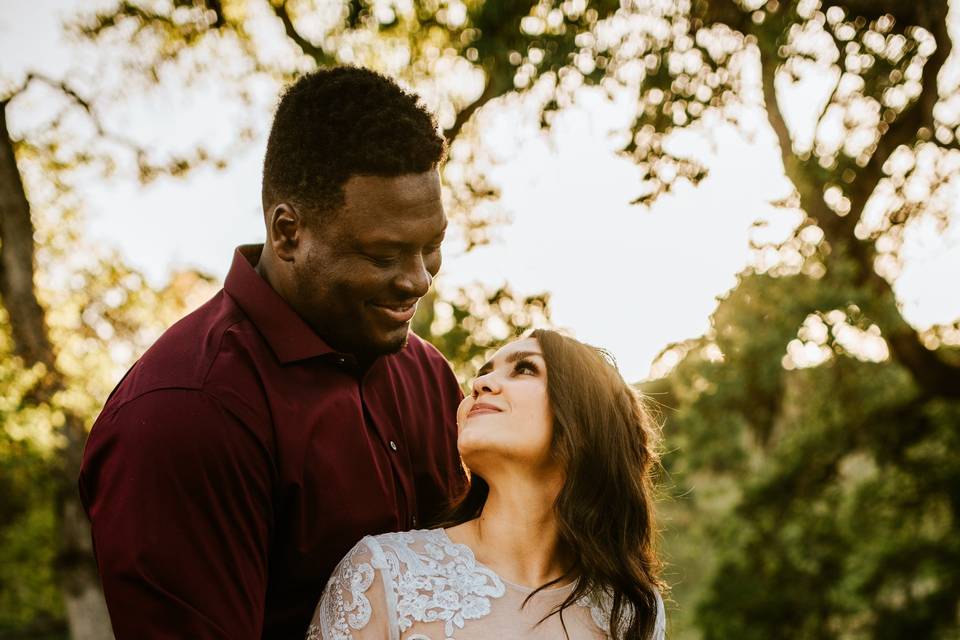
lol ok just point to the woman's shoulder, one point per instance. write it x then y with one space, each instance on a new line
433 578
375 548
430 553
390 581
425 552
411 538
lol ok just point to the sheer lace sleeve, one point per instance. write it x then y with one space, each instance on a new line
355 604
660 626
600 612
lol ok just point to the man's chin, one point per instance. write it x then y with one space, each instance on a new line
395 345
394 342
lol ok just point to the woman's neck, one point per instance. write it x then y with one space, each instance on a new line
517 534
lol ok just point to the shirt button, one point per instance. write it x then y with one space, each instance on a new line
393 445
414 520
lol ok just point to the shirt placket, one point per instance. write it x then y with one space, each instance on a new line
387 426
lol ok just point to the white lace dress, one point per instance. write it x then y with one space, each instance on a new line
420 585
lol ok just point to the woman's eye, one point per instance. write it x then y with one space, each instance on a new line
525 367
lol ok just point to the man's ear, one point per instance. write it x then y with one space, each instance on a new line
284 230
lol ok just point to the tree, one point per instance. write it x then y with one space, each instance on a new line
814 428
690 65
461 56
60 369
821 476
32 346
880 158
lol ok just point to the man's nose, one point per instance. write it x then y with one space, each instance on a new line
415 280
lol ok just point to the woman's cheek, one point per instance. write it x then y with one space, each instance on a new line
462 411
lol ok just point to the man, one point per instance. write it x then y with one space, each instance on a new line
269 430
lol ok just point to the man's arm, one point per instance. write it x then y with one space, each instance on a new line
178 491
451 472
457 478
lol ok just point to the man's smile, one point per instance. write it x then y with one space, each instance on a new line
399 312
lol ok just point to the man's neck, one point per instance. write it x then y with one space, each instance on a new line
266 269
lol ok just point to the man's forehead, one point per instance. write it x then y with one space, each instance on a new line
407 191
400 209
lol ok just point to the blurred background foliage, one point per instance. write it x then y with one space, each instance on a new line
811 468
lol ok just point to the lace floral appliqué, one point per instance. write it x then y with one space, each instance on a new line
444 582
336 611
430 581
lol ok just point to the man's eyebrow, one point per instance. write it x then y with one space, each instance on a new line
513 357
393 243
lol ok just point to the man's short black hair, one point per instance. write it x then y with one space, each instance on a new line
340 122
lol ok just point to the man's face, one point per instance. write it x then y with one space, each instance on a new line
366 266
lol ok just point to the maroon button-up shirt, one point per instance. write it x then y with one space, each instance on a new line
241 457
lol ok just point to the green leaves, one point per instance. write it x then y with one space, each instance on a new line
840 508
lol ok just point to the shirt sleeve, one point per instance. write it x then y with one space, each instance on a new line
457 478
357 603
178 491
454 481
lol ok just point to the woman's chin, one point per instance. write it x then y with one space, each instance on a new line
474 447
467 442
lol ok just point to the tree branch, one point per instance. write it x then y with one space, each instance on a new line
148 169
809 189
826 106
726 12
904 130
490 91
902 12
217 7
320 56
75 566
930 372
24 312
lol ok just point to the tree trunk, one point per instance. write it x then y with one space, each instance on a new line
933 375
75 566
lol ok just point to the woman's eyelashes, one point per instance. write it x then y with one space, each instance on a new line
525 366
520 367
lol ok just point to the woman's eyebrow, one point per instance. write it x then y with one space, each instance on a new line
520 355
513 357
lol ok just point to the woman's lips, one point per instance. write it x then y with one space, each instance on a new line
483 407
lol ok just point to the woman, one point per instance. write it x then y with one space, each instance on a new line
554 537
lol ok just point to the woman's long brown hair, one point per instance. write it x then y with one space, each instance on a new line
605 441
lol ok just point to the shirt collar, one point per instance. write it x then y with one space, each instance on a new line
288 335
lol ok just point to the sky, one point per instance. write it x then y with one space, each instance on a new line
625 278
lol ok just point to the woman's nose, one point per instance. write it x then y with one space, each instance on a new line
485 384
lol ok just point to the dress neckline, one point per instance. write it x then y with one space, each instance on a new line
513 585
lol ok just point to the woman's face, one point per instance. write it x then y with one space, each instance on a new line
508 416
